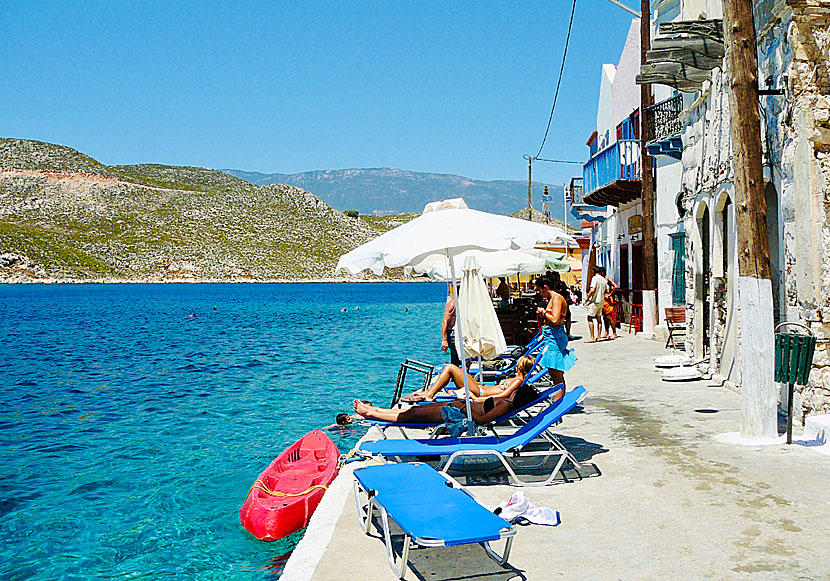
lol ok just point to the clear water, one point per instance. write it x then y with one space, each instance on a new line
130 432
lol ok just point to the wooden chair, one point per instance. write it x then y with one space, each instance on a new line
676 324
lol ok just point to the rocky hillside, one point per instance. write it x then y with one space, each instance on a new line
64 215
392 191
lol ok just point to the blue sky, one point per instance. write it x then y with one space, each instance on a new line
448 87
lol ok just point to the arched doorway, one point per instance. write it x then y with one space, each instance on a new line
703 252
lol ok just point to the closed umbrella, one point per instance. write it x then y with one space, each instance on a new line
448 227
481 332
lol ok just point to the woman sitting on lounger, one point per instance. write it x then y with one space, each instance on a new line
478 391
483 410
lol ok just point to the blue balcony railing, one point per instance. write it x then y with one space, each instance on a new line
619 161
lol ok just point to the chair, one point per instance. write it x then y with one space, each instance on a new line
552 393
504 449
676 323
449 517
636 322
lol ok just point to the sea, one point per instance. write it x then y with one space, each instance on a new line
134 418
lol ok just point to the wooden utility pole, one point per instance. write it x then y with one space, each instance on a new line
759 407
649 301
530 188
647 163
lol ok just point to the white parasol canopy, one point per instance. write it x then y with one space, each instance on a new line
481 332
491 264
453 229
448 227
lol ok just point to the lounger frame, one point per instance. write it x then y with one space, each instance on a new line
504 454
366 510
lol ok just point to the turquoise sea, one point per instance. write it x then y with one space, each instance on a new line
131 431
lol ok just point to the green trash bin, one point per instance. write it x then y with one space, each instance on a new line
793 360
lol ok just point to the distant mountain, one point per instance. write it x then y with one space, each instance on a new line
392 191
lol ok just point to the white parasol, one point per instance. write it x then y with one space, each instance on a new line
491 264
448 227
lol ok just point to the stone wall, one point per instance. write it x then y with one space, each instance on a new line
794 54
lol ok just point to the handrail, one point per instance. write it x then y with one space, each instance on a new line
663 118
619 161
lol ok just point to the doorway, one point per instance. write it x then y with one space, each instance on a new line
637 273
705 244
624 267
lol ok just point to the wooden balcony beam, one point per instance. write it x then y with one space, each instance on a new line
699 44
709 28
615 193
683 56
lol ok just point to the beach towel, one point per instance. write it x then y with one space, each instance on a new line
520 510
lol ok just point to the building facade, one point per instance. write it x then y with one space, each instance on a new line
695 220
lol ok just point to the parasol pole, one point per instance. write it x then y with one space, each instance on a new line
459 346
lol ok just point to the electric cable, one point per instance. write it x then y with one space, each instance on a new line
559 80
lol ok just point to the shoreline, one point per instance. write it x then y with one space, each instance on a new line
327 280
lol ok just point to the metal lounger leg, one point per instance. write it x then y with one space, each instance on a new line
400 571
500 559
445 466
364 520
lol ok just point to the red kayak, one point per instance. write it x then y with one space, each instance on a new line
285 495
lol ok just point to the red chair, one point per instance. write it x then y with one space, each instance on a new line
636 319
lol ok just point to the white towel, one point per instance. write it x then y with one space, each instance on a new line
520 508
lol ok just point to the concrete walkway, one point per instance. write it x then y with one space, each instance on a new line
671 501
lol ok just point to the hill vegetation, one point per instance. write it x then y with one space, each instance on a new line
64 215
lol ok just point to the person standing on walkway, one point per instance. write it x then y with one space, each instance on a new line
562 289
594 301
555 355
448 329
608 306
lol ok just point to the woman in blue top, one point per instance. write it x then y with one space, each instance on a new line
556 356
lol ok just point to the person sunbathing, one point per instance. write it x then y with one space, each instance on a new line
479 392
483 412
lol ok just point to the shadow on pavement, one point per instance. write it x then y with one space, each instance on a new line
466 562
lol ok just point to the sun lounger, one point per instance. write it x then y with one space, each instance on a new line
504 449
431 509
552 394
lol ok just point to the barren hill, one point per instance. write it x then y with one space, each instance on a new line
64 215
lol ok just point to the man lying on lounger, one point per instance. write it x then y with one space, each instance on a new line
483 410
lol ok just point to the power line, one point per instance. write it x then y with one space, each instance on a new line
559 80
558 160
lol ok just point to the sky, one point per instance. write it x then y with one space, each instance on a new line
448 87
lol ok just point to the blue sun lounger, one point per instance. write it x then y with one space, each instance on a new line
548 394
509 447
431 509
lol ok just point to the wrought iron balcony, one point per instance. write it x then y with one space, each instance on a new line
664 117
575 190
612 176
665 127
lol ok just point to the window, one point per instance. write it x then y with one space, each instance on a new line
678 275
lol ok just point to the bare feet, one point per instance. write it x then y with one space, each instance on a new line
362 408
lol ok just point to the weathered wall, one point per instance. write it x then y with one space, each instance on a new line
626 92
794 54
